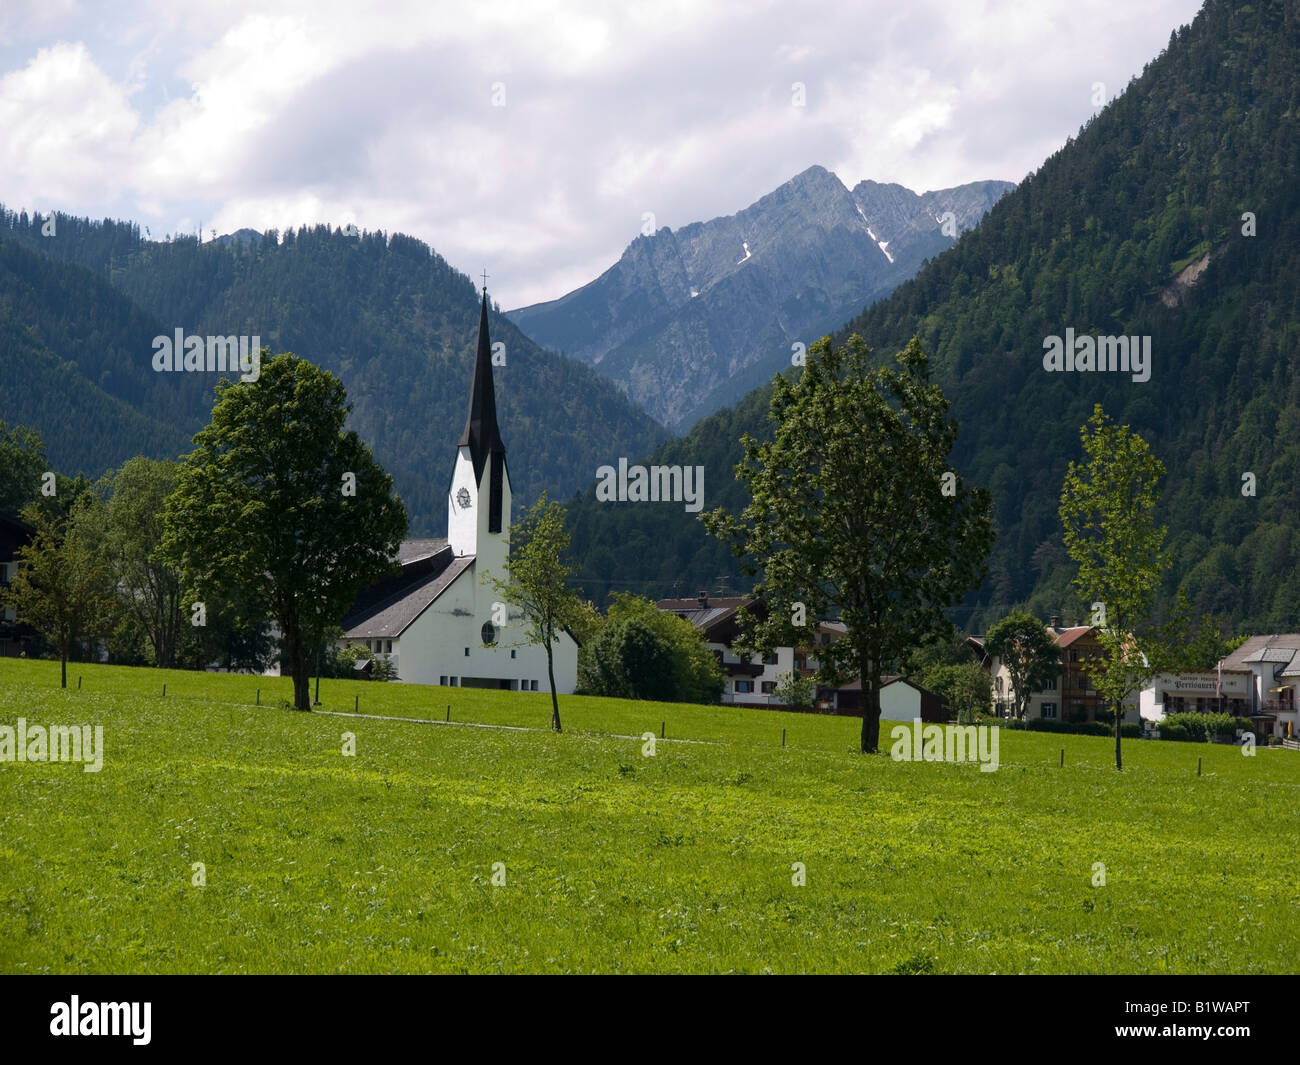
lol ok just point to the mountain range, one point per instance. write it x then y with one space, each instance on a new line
688 321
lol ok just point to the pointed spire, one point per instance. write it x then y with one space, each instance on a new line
481 434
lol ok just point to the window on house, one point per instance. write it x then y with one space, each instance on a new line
744 686
534 685
466 652
1049 711
1050 686
388 647
769 686
443 680
488 633
1074 656
512 652
770 660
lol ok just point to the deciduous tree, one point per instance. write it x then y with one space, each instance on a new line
855 512
280 509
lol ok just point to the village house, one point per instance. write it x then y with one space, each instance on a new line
1071 695
749 680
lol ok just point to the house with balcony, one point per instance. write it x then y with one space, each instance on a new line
1270 675
749 679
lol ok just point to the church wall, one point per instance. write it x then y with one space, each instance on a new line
433 646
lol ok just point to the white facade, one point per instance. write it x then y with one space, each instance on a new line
758 690
899 701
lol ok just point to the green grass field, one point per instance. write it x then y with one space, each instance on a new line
613 861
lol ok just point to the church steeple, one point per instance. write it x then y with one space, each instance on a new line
481 434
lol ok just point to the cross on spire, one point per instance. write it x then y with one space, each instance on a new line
485 277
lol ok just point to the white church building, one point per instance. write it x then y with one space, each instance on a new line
439 620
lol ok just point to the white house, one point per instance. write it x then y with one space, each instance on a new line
1258 681
751 679
439 620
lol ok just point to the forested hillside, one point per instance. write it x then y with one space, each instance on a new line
392 318
1134 228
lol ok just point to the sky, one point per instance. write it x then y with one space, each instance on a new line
535 140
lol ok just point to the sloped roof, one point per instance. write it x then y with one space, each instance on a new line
1068 636
390 615
719 609
413 550
1276 648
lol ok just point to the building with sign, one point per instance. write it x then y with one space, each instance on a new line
1204 692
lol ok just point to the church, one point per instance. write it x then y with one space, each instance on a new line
439 620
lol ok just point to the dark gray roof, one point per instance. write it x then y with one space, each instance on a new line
411 550
390 616
1278 648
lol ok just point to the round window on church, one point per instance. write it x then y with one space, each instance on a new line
489 634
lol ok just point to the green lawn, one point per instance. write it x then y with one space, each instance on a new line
383 862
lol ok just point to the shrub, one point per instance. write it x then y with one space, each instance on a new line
1128 730
1200 728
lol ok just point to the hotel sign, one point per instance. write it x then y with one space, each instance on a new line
1231 685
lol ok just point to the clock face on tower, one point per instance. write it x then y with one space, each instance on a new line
462 497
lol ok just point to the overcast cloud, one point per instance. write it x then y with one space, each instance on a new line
531 138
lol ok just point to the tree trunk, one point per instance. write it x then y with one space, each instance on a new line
870 705
63 660
298 665
555 702
1119 761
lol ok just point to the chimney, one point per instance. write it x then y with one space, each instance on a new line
1054 623
703 597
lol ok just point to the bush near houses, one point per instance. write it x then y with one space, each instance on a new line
1199 727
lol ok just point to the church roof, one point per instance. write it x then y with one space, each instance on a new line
481 434
389 609
414 550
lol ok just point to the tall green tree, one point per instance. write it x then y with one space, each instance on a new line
150 590
62 588
1108 514
22 461
280 510
854 511
535 582
1031 656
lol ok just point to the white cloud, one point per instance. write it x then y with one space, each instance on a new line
284 112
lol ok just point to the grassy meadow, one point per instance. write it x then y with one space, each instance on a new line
613 861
